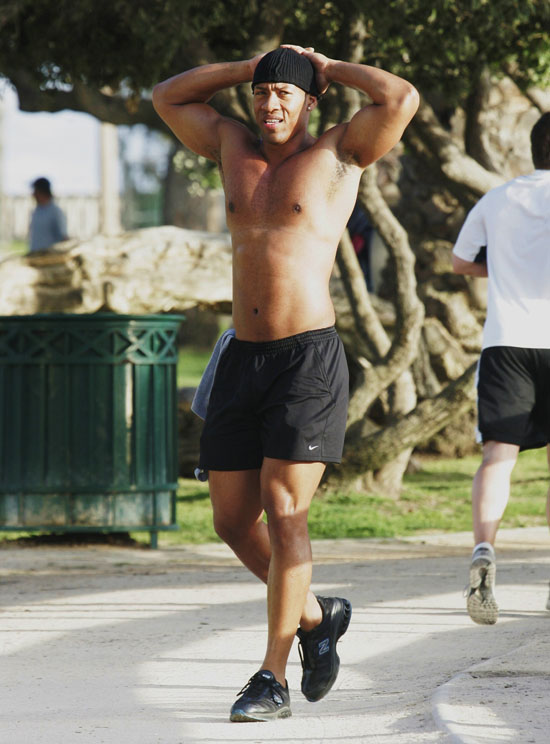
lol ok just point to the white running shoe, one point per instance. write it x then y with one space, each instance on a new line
481 603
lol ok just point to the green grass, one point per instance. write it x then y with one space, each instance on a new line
191 364
435 499
19 247
447 484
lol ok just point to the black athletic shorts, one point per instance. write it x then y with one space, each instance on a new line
514 396
286 399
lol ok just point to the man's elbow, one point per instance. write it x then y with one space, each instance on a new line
409 100
158 96
404 103
457 264
468 268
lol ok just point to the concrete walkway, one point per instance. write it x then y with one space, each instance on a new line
125 646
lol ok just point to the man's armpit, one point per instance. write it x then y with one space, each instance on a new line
349 158
341 171
214 153
481 256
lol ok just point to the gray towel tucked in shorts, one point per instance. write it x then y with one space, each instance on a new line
202 393
199 406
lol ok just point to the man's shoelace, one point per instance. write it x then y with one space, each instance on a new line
257 685
304 656
311 660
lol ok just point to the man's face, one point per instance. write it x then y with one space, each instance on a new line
279 109
40 196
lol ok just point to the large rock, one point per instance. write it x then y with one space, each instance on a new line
154 270
161 269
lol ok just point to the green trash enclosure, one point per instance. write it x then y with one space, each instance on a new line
88 422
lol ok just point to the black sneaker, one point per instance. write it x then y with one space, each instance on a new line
317 647
261 699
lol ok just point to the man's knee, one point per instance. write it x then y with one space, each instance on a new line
232 528
500 453
286 524
227 528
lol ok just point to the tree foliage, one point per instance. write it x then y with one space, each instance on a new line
129 45
444 44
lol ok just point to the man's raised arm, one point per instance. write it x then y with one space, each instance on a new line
181 101
377 127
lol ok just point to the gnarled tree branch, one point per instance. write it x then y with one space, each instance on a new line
426 135
473 139
429 417
400 354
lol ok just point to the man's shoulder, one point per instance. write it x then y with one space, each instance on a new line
328 147
49 208
56 212
236 139
236 129
497 194
510 191
332 138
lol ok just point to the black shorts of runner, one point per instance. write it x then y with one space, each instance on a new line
514 396
286 399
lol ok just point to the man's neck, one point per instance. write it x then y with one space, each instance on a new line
276 153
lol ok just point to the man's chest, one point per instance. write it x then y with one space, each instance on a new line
43 219
294 191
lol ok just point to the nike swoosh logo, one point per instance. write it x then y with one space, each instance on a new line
314 446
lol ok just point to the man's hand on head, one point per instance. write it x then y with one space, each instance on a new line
297 48
319 62
253 61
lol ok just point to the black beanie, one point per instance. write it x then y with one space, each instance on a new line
284 65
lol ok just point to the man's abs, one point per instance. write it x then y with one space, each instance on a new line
280 287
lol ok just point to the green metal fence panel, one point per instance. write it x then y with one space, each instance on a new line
88 422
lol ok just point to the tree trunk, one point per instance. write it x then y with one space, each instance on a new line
389 478
110 190
381 361
463 175
427 418
473 134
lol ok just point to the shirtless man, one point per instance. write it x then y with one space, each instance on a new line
277 411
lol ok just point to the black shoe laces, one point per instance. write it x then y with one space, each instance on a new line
304 656
306 650
257 686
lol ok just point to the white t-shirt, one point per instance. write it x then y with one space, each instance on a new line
513 221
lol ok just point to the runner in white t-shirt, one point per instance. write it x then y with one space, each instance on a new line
506 237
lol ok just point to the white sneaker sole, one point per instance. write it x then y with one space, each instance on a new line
481 603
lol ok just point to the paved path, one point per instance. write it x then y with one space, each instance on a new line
109 645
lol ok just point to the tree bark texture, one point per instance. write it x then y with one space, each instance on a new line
438 148
423 421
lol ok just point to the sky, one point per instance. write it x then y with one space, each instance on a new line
63 147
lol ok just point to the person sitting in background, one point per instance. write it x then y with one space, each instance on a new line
48 222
